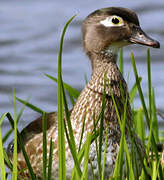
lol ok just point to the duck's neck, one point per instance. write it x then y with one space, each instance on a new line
106 70
102 58
89 103
104 65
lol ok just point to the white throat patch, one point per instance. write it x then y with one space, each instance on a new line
115 47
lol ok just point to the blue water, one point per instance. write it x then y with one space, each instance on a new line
29 39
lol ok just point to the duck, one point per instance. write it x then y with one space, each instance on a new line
104 32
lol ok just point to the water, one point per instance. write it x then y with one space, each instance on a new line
29 38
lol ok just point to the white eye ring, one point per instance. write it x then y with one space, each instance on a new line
108 21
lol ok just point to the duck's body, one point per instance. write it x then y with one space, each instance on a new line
101 42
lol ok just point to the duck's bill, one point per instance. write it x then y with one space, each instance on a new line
139 37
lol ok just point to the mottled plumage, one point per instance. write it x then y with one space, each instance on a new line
101 43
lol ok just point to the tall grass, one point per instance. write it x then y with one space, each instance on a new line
14 175
151 165
2 162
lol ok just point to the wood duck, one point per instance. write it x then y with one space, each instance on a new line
104 32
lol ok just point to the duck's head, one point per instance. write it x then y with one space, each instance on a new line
108 29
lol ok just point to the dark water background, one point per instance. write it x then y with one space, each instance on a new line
29 39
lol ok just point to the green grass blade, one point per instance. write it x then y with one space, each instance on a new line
149 82
61 138
140 129
86 157
2 118
154 146
7 135
133 91
82 132
154 118
128 157
127 154
15 171
149 144
105 149
70 139
7 161
80 157
2 163
50 159
31 106
22 110
92 170
11 121
71 99
81 153
72 92
134 159
21 143
101 129
121 61
32 175
119 161
115 106
44 125
140 90
154 173
95 122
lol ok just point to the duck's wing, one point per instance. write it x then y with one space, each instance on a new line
34 128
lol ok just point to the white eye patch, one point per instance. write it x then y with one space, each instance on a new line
112 21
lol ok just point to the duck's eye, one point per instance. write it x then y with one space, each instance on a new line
112 21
